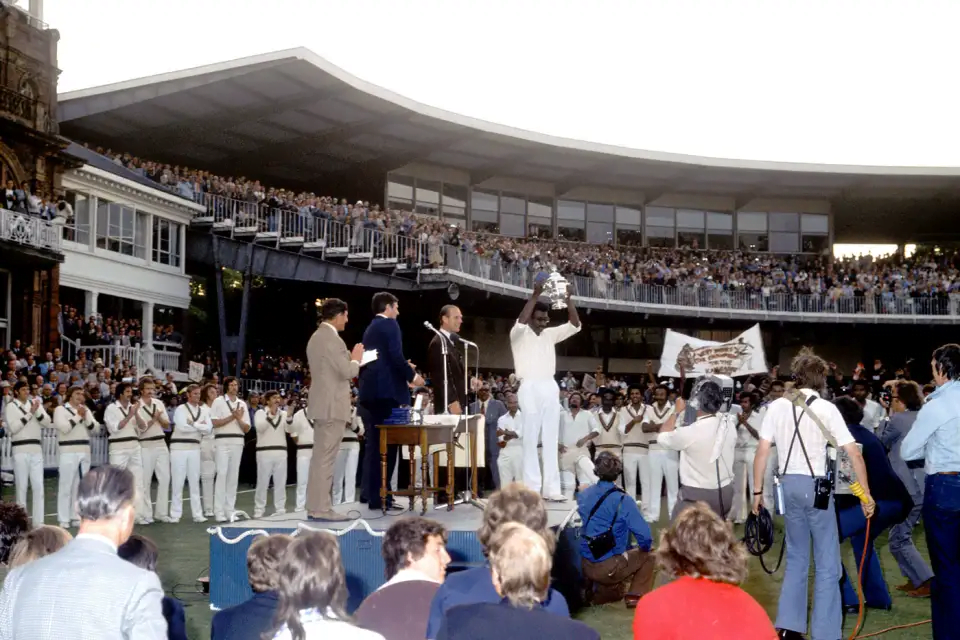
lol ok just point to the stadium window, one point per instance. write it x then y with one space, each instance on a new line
166 242
121 229
454 203
628 227
752 231
788 222
570 220
428 197
484 209
399 192
690 229
78 229
815 223
660 227
540 218
599 223
719 230
814 233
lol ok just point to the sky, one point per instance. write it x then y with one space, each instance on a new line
822 81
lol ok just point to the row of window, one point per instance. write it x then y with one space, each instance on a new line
123 229
518 216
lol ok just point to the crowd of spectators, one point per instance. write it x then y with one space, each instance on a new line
100 330
32 201
927 274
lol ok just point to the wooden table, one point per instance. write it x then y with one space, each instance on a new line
425 435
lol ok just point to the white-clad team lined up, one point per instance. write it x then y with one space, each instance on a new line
204 451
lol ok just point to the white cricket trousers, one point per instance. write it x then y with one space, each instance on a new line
742 471
208 473
636 466
228 474
510 464
185 466
576 468
540 404
345 473
132 459
304 456
156 462
72 467
28 469
664 468
270 464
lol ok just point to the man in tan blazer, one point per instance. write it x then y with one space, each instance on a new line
328 408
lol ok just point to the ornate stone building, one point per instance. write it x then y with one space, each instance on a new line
32 161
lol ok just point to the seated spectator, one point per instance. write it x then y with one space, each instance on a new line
142 552
617 573
14 523
893 506
313 592
415 556
520 562
79 587
708 563
38 543
513 503
251 619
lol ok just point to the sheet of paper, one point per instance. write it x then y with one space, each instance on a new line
368 357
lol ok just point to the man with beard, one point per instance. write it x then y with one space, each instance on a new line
664 463
578 427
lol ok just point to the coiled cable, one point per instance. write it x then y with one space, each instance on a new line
758 537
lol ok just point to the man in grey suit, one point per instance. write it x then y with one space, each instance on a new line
86 591
332 368
491 409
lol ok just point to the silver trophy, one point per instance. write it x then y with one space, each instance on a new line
555 288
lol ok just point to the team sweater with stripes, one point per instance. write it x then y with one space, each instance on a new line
301 427
24 426
190 423
74 431
271 430
121 439
230 433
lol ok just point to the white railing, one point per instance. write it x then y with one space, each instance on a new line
262 386
141 358
359 244
26 229
51 450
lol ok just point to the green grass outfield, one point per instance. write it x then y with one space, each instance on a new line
184 555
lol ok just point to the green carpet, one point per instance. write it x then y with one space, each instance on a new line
184 555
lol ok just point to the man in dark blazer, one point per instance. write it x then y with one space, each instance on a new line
491 409
384 386
251 619
456 392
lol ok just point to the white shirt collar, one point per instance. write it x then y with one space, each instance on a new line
445 332
99 538
408 575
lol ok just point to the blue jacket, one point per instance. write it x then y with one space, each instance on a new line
619 510
248 620
385 379
176 618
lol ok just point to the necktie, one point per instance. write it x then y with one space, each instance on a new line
483 408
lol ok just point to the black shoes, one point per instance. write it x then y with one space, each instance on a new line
787 634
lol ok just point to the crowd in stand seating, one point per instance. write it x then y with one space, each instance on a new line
107 330
926 274
26 199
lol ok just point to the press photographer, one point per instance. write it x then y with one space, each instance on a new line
801 424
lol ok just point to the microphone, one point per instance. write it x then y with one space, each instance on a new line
468 343
427 324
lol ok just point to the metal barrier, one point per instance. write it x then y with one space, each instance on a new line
30 230
51 450
157 361
262 386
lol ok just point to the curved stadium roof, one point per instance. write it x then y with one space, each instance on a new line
291 116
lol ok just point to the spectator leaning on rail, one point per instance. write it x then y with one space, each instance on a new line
611 570
800 425
905 403
935 438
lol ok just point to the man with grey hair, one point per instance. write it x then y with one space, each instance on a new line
50 598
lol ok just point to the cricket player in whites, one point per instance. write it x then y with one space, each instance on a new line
153 449
535 361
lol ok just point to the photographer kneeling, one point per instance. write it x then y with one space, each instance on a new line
893 505
608 521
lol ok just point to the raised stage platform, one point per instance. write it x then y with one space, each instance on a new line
359 545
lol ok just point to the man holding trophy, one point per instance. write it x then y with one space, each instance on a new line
535 361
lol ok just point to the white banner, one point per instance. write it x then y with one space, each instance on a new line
195 372
739 357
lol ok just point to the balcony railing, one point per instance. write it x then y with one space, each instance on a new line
26 110
153 360
29 230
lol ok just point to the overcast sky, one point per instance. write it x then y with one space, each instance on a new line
832 81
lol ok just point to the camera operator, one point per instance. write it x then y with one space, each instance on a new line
801 436
707 451
893 504
935 438
905 403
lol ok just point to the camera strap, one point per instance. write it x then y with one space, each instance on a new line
797 436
